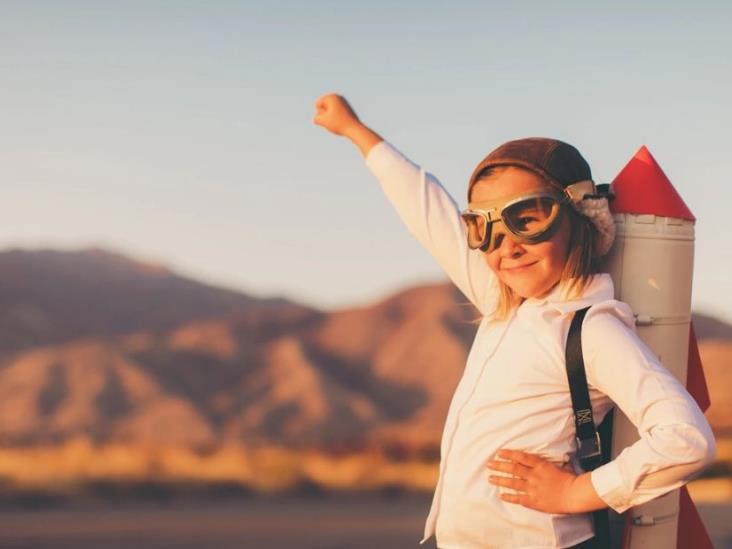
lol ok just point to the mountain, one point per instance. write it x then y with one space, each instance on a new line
716 355
119 351
307 379
51 297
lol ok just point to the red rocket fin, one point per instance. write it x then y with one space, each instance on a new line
695 382
641 187
691 533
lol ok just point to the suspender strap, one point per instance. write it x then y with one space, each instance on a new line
589 448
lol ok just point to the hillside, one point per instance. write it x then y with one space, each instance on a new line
101 346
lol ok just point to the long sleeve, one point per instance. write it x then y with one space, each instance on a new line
676 442
432 216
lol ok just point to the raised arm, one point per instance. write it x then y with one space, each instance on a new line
426 208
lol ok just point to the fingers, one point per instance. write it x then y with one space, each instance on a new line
521 499
324 103
334 113
327 112
321 109
530 460
519 484
328 101
537 483
517 469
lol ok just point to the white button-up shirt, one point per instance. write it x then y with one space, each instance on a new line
514 391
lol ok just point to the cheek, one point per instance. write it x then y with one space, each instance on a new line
492 259
557 249
552 254
554 258
558 254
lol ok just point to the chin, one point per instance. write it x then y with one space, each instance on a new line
520 291
527 292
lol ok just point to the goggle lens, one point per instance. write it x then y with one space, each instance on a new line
476 225
527 219
530 217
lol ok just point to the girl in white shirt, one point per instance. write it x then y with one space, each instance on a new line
527 254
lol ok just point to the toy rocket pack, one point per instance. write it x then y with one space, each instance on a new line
651 264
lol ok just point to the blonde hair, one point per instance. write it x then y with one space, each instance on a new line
581 265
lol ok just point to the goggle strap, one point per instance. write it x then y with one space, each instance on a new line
576 192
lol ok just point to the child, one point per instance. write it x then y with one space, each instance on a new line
526 254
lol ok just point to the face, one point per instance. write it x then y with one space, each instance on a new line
530 270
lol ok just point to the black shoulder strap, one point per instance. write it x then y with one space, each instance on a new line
590 449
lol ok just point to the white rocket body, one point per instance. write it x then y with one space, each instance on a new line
651 264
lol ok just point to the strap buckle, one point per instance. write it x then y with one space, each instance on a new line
589 447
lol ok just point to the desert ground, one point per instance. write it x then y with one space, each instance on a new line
321 522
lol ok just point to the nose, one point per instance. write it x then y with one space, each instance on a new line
508 247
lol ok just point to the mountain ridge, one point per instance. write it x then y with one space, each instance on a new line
221 367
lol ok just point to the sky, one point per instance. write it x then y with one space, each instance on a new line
181 132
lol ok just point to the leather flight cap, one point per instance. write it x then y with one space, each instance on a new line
556 161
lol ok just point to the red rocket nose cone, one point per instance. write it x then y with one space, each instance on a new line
641 187
644 155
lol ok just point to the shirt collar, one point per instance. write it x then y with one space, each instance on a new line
599 289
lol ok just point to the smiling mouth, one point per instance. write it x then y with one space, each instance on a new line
519 267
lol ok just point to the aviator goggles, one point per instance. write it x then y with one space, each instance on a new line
530 218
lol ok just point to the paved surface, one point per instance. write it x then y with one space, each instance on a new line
326 523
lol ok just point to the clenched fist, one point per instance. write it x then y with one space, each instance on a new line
335 114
